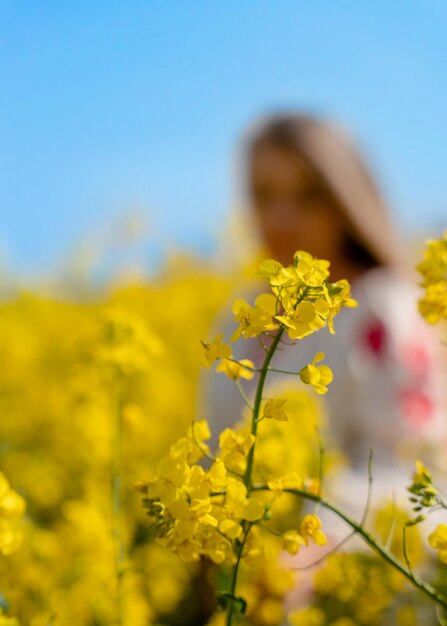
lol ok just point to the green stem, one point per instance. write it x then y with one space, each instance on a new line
259 369
243 395
250 457
230 613
257 405
426 588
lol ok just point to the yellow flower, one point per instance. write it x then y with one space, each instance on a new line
333 298
434 266
258 548
424 493
313 272
305 270
12 505
433 304
230 527
292 541
270 269
312 485
253 509
254 320
308 616
310 527
299 320
273 409
215 350
239 506
217 475
438 541
317 375
8 621
234 448
291 481
172 474
308 300
12 508
422 475
237 369
196 435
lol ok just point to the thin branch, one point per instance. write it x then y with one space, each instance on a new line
257 404
324 557
321 452
392 525
263 346
202 448
259 369
352 533
229 619
423 586
243 394
370 482
404 549
273 369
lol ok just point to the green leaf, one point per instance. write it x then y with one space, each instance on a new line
225 599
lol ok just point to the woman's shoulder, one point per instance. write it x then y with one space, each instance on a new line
391 299
380 286
387 329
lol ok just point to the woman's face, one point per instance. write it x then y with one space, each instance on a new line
293 209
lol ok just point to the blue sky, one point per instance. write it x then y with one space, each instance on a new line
113 106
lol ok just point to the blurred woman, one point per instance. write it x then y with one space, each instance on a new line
309 189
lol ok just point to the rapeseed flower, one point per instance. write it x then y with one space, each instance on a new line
215 350
310 528
293 541
433 304
12 508
319 376
254 320
274 409
237 369
438 541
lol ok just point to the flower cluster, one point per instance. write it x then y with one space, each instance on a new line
306 301
196 512
12 508
218 350
433 307
426 498
438 541
433 304
425 495
81 361
309 528
5 620
301 302
351 589
360 589
222 513
87 361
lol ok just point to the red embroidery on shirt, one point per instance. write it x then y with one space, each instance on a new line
375 337
417 408
416 359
